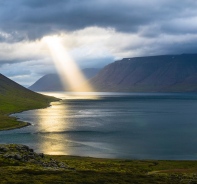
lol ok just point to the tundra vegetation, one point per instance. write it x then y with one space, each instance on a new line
20 164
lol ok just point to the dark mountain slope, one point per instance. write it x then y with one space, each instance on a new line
52 82
168 73
15 98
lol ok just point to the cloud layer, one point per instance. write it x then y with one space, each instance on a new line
94 32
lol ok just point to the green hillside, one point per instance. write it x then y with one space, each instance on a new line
15 98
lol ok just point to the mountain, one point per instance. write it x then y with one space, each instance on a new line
166 73
52 82
16 98
49 82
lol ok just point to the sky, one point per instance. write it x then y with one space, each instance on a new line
94 32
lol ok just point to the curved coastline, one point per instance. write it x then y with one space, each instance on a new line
21 125
18 123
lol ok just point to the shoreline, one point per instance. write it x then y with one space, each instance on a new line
91 157
22 124
18 127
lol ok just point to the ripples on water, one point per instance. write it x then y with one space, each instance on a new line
113 125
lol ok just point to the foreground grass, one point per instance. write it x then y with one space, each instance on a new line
103 171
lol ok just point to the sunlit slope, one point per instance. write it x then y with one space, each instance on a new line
168 73
15 98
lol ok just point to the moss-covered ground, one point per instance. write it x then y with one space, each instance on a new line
102 171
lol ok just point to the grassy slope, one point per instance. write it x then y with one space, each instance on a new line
102 171
15 98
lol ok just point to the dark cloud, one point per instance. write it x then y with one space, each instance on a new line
35 18
43 3
142 27
180 48
95 62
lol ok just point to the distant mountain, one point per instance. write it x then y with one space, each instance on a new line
52 82
166 73
49 82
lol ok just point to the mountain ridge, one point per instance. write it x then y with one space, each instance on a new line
165 73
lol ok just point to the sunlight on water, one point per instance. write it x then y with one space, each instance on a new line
50 118
52 123
49 122
66 66
52 144
74 95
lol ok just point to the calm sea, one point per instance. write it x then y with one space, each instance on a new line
113 125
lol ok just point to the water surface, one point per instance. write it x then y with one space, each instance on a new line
113 125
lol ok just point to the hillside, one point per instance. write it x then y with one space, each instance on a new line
52 82
15 98
167 73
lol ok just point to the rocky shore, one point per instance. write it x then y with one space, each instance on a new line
24 154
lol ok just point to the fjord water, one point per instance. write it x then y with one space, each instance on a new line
113 125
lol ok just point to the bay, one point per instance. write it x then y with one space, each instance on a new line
113 125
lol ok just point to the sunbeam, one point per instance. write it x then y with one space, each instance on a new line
67 68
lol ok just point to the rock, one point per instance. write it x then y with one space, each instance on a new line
41 155
18 157
23 153
62 165
44 164
32 161
10 155
31 156
3 149
25 158
31 150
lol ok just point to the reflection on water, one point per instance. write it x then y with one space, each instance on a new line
52 125
85 95
49 120
115 125
51 144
